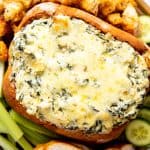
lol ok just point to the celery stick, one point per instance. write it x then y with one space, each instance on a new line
38 138
11 140
30 125
24 144
31 139
3 129
2 66
10 124
6 145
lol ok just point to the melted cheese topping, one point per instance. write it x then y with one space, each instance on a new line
69 73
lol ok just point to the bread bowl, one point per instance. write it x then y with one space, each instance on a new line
66 85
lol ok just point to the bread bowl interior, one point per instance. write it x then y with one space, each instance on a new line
75 74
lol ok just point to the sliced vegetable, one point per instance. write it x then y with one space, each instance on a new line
35 137
144 114
30 125
138 132
31 139
9 123
146 102
8 126
3 129
145 28
11 140
24 144
6 145
145 147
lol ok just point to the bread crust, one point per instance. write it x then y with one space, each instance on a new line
45 10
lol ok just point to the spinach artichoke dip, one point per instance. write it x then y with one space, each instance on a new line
67 72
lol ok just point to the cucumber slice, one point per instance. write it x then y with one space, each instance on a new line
138 132
144 114
145 28
146 102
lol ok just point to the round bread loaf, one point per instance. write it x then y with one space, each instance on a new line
75 74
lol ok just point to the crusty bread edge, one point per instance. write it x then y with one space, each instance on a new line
10 96
50 9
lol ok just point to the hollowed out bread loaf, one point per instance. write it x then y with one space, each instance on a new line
75 74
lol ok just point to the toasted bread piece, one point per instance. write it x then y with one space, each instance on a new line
45 10
52 145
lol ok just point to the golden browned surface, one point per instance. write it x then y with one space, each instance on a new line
14 10
4 27
49 9
59 145
120 13
45 10
3 51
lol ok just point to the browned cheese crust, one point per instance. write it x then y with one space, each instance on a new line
45 10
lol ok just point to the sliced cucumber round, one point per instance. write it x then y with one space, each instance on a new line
138 132
144 114
145 28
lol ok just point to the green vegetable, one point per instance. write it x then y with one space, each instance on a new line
146 102
30 125
24 144
3 129
9 123
35 137
11 140
145 28
6 145
31 139
138 132
2 66
144 114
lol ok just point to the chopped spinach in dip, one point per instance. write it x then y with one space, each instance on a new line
69 73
